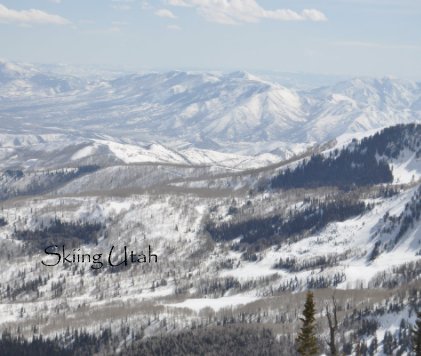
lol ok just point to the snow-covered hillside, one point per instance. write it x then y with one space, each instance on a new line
249 192
227 242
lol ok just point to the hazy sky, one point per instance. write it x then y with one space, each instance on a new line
356 37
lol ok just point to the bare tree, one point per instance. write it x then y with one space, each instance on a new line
332 320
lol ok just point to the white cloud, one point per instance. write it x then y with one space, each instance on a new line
29 17
178 3
165 13
124 5
232 12
313 15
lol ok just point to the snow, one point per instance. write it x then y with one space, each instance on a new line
237 113
216 304
136 154
407 168
248 271
84 152
157 137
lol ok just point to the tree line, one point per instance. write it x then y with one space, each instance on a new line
57 232
275 229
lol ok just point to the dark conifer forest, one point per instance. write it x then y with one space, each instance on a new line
275 229
361 164
59 233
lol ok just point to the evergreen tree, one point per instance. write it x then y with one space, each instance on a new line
388 343
306 340
417 336
372 350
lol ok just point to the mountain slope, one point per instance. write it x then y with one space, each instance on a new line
226 255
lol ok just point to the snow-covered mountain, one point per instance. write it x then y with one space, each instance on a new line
360 105
31 152
235 112
18 80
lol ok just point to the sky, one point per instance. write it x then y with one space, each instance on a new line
335 37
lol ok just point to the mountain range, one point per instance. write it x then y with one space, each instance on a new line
226 112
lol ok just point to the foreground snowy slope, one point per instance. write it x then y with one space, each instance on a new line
231 245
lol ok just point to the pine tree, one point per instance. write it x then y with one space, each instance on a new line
416 340
372 350
388 343
306 340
